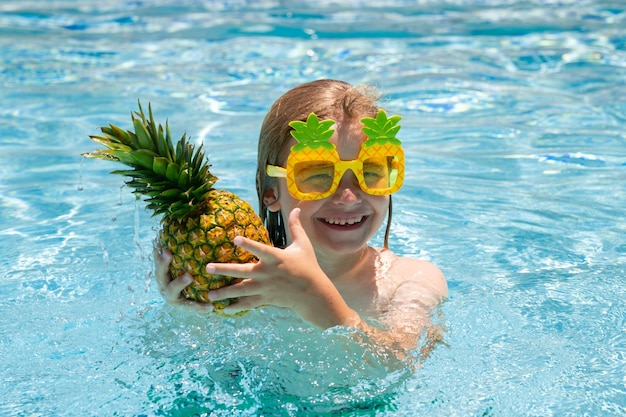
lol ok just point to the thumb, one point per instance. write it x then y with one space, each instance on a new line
295 227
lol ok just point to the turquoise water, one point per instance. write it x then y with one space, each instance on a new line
514 123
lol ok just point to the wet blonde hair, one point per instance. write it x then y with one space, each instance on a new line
328 99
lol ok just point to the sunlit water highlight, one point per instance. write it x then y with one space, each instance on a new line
514 116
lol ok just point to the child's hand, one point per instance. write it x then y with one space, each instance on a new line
289 277
171 289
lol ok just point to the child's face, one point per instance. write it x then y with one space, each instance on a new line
349 218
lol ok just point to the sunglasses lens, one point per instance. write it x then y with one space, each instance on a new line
314 176
380 173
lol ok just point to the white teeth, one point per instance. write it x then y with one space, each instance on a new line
343 222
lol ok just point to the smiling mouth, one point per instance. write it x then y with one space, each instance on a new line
342 221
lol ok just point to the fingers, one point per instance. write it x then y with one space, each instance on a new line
246 293
295 227
171 289
242 289
234 270
172 295
162 259
294 219
176 286
243 304
257 248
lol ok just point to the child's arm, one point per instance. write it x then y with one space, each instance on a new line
292 278
289 277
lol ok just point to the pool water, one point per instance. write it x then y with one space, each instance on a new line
514 125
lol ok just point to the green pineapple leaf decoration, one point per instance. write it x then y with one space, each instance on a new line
313 133
381 130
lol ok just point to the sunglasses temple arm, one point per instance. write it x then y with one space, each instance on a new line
274 171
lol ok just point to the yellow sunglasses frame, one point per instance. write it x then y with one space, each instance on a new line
371 150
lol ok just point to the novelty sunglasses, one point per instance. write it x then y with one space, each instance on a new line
314 169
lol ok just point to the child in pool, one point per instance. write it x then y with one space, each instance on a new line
321 266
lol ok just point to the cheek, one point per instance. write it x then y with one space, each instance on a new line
307 213
380 202
381 205
287 202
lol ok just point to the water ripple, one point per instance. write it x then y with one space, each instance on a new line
513 126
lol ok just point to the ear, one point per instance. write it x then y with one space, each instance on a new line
270 199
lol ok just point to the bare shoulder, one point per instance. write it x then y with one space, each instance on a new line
420 272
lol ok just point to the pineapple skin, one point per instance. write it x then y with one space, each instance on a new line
206 235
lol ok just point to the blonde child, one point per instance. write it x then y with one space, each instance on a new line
321 266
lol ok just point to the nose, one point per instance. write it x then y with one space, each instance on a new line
349 191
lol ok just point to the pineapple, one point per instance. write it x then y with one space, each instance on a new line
199 222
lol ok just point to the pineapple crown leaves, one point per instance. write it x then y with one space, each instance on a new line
313 133
174 178
381 130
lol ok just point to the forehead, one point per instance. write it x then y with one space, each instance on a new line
348 137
